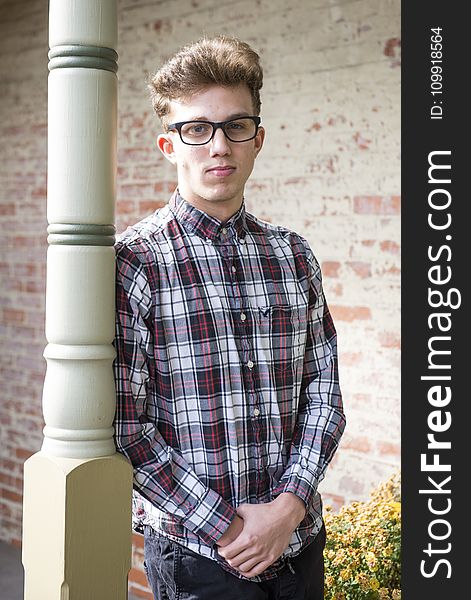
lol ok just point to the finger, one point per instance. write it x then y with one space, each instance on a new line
247 565
234 549
243 557
256 570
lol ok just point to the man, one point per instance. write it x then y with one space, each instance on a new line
229 406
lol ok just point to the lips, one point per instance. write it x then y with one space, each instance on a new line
221 170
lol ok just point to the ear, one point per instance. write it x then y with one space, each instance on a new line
258 140
165 145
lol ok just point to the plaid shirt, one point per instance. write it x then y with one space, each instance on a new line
226 373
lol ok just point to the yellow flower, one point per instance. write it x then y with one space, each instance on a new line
371 561
374 584
364 546
329 581
362 579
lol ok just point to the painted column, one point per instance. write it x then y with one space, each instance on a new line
77 490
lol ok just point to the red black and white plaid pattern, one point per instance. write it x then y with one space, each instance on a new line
226 372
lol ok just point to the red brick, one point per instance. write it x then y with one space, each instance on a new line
388 270
149 206
11 315
350 313
126 155
390 246
377 205
138 540
141 593
390 339
362 269
12 482
23 454
357 444
336 290
149 172
122 173
9 465
25 269
40 193
389 448
125 207
167 187
136 190
7 209
6 510
330 268
13 496
35 287
138 576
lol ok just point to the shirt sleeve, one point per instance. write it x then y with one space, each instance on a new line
321 420
161 474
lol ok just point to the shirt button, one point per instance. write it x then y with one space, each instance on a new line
224 231
243 316
256 412
250 364
242 240
233 269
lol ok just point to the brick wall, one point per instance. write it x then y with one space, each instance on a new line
329 169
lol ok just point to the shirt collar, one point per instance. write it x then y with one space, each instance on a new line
196 221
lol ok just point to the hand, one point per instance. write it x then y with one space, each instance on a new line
267 530
231 532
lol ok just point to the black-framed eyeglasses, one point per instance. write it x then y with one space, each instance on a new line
197 133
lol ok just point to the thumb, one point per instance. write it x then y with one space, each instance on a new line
242 510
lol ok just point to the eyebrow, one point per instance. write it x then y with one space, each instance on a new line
229 118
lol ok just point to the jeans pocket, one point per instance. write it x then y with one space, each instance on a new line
160 565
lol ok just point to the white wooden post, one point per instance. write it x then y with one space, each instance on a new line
77 490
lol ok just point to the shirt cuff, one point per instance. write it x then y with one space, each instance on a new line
298 481
210 517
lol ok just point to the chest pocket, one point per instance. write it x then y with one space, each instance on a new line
282 333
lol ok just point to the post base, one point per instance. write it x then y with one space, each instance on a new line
76 528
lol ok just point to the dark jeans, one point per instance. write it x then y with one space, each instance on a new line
176 573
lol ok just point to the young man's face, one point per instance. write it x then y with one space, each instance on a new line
212 176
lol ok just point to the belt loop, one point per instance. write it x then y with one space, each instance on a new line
290 567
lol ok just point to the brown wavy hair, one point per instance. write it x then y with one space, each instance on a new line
220 60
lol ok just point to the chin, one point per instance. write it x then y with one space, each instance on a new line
218 195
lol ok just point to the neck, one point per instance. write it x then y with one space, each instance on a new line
222 210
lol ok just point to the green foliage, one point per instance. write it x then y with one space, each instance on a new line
363 550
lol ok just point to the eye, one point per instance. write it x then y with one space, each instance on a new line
196 129
239 125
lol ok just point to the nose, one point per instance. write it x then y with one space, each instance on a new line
219 145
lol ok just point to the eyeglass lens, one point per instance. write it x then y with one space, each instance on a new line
238 130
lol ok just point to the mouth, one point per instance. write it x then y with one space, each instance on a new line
221 170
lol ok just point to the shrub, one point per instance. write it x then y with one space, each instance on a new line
363 550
